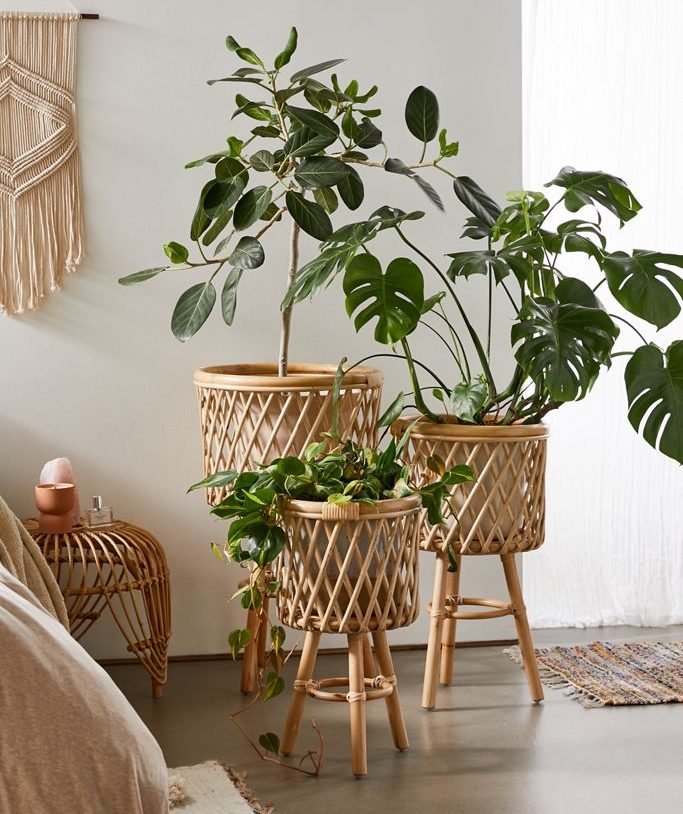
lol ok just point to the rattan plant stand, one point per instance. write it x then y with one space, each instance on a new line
249 415
122 568
350 569
502 513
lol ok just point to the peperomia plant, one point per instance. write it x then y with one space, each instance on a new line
295 164
256 507
562 334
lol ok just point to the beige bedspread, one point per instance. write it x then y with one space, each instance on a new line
23 559
70 743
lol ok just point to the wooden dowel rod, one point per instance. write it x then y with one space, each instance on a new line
90 16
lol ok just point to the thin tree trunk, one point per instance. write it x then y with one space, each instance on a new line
287 312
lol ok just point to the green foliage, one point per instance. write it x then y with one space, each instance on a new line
141 276
237 640
176 252
345 473
584 188
270 742
468 398
192 310
309 133
563 343
422 114
644 286
394 297
310 216
654 386
562 335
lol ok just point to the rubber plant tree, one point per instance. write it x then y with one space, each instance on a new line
563 336
298 161
294 165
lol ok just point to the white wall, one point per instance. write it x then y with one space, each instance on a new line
95 374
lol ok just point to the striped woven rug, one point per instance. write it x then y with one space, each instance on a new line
610 674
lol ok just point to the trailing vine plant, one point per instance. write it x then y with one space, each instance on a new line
294 165
256 509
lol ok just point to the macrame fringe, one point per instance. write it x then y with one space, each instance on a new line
41 223
550 679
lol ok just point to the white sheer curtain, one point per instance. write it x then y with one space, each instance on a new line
602 90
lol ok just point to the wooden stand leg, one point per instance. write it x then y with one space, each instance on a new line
393 701
250 657
526 644
356 698
448 641
296 705
369 669
157 689
262 639
435 631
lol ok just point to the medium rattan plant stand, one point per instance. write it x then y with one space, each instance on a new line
350 569
502 513
122 568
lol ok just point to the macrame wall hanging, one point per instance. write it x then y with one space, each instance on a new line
41 229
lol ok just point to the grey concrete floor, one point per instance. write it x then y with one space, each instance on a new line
485 749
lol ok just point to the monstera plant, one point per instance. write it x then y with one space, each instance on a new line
563 336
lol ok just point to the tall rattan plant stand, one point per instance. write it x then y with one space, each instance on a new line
350 569
121 568
502 513
249 415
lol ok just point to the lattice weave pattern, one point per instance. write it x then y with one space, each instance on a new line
122 568
350 576
503 512
242 427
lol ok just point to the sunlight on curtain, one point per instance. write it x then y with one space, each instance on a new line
602 90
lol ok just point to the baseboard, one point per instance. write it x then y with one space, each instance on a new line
331 651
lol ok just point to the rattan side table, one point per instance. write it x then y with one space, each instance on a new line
120 567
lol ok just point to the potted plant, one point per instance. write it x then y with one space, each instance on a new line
307 141
332 534
562 334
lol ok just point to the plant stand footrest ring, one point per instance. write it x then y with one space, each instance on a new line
499 608
378 687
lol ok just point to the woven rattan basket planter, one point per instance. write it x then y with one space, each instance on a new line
503 511
249 415
352 568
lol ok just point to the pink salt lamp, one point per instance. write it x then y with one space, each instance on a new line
55 502
59 470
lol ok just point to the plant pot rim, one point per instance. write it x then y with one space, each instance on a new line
301 376
451 429
382 508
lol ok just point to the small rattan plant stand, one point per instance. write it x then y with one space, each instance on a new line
350 569
122 568
501 513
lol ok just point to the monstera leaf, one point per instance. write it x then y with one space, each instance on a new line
395 298
563 343
654 386
639 283
467 398
594 187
